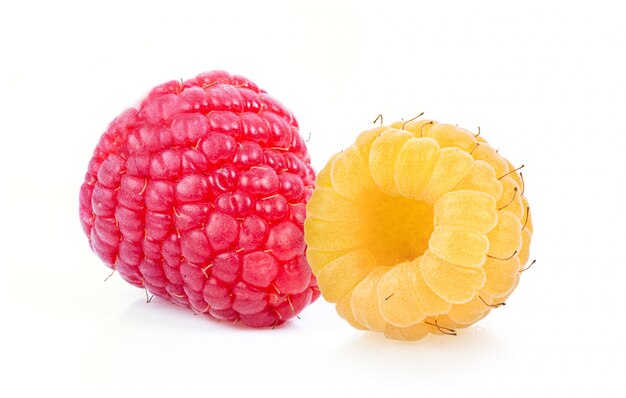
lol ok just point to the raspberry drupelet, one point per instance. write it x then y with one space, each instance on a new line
199 196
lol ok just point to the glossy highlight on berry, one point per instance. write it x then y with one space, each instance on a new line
199 197
419 227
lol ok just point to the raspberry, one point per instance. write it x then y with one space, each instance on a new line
417 228
198 196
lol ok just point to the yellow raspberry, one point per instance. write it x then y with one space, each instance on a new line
419 227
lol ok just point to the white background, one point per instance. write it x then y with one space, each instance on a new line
544 81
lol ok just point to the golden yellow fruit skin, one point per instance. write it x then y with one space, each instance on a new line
429 301
501 276
490 155
382 159
418 228
398 300
340 276
473 210
323 177
449 169
346 234
418 127
346 166
527 221
328 205
344 309
411 333
511 199
459 245
443 321
506 238
453 283
318 259
524 252
470 312
449 135
365 299
365 139
481 177
414 165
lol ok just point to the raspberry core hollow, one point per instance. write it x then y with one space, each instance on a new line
199 197
418 227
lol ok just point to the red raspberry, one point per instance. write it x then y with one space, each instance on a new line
199 197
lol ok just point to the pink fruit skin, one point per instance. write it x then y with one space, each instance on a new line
199 197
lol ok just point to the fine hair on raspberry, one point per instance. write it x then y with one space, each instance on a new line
199 197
